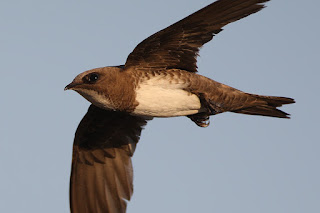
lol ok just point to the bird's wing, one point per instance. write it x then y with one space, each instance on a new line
177 46
101 176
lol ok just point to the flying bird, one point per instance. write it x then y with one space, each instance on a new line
159 79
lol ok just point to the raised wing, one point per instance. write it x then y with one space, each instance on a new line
177 46
101 176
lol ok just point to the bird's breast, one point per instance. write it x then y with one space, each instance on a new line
159 97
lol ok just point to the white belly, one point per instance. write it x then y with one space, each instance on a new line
160 100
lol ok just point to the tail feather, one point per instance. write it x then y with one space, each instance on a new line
269 108
274 100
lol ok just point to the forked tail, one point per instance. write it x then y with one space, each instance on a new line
269 108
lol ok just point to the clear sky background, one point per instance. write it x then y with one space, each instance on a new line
240 163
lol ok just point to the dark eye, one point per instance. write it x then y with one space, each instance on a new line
92 78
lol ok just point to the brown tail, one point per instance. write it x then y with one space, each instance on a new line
269 108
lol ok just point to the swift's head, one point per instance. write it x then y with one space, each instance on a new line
94 85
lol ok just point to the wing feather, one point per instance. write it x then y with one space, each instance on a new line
177 46
102 176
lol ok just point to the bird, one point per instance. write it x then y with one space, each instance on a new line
158 79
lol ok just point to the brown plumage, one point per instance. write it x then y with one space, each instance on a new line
102 177
159 79
218 98
177 46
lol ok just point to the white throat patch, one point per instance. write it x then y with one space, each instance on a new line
96 99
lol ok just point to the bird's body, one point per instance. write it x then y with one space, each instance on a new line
170 93
159 79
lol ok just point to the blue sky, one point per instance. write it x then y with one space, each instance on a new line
239 163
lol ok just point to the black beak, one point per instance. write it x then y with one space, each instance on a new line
70 86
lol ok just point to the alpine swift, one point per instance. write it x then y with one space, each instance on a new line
159 79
